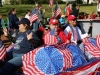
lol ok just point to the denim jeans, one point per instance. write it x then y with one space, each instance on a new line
35 26
12 65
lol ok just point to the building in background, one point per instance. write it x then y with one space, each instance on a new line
5 2
89 1
82 1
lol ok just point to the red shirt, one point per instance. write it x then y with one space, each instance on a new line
92 16
68 11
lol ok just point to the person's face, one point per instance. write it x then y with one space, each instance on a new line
29 13
14 12
0 16
53 27
73 22
22 27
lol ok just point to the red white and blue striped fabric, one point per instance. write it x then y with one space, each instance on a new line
91 68
49 39
10 47
91 48
33 16
2 52
30 67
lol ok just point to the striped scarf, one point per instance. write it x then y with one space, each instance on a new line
78 35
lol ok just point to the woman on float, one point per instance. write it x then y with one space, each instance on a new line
25 41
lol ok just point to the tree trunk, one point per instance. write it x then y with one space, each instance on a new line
0 3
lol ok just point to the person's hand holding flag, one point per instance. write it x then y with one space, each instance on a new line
69 34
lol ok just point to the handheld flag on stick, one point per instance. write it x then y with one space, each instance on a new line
57 10
33 16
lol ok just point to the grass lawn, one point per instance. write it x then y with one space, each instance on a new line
21 9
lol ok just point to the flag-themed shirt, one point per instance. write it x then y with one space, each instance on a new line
49 39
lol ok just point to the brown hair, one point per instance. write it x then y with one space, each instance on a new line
27 26
68 3
13 9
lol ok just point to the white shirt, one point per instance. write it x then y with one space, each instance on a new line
98 7
27 16
68 29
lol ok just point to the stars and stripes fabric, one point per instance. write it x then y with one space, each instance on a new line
49 39
50 3
10 48
33 16
92 45
89 68
46 60
77 55
57 10
2 51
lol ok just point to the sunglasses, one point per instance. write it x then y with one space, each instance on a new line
74 19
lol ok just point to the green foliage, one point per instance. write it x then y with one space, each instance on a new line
37 1
21 9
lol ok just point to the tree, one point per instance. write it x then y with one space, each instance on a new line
0 3
39 1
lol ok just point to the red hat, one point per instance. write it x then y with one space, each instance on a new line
71 17
41 29
54 21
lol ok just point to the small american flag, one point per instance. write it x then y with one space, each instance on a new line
50 3
57 10
2 51
33 16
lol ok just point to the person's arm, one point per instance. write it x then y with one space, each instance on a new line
82 35
33 39
12 39
34 42
8 35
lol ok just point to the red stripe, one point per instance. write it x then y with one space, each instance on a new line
98 41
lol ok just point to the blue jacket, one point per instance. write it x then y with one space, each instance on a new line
12 21
62 21
22 45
